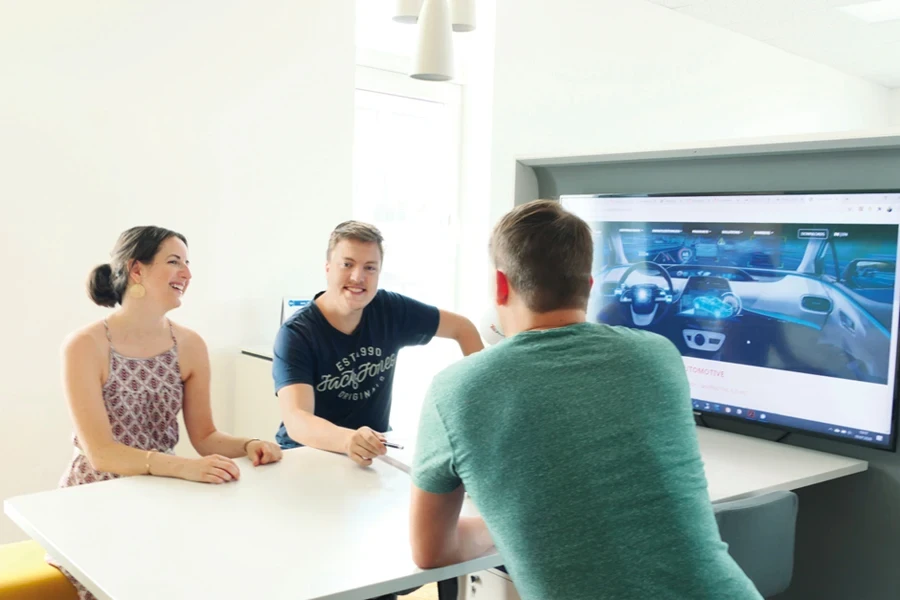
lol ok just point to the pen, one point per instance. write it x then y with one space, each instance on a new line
393 445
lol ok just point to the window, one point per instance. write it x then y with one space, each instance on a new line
405 181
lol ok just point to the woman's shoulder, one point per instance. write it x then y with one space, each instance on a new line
192 352
86 342
187 339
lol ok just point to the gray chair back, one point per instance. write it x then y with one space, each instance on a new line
760 534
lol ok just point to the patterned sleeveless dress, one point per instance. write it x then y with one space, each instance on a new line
143 397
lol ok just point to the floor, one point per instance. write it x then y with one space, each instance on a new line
428 592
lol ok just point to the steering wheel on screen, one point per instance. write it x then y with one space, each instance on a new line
647 303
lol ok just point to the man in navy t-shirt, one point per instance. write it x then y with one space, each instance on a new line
334 359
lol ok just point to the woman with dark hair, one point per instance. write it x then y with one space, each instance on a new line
127 377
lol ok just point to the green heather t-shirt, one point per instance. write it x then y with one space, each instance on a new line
578 447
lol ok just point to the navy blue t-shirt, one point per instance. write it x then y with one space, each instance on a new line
351 375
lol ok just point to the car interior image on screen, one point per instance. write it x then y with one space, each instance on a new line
788 320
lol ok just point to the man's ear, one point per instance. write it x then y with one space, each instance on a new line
502 288
592 282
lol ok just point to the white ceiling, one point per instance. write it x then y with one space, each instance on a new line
814 29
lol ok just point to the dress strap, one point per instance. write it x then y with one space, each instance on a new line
172 333
108 336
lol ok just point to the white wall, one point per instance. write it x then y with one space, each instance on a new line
228 123
894 116
577 76
476 51
588 76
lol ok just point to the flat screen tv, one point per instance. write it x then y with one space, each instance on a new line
783 306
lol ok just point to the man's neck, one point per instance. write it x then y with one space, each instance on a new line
525 320
340 320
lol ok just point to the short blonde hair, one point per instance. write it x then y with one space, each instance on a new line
357 231
546 253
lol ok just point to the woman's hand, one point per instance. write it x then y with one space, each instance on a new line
211 469
263 453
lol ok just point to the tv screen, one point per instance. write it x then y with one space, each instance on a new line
784 307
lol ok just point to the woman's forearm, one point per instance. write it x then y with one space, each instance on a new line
120 459
223 444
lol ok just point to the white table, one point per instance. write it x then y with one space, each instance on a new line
737 466
263 352
312 526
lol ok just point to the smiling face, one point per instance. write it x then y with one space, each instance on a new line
352 273
167 277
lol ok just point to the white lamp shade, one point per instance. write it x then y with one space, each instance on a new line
407 11
462 15
490 329
434 47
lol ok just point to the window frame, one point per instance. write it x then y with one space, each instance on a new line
378 76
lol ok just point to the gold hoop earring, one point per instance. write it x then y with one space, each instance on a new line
137 291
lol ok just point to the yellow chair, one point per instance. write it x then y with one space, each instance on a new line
25 575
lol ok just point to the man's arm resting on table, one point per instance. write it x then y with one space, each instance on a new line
439 536
298 403
459 328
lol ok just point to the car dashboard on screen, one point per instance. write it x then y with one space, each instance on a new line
810 299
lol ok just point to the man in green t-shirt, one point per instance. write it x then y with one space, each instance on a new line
575 440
